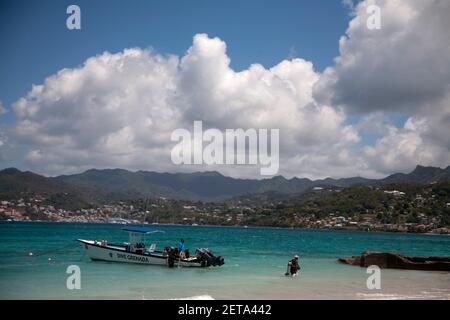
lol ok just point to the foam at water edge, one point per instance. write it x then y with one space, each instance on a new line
200 297
381 296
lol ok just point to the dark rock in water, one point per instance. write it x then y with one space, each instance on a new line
398 261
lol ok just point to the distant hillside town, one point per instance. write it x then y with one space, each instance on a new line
406 206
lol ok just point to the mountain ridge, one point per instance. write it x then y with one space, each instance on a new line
104 185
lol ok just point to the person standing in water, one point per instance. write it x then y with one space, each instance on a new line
293 267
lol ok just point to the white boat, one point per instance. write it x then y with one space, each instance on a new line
118 221
135 251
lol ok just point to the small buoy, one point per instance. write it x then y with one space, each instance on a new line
30 254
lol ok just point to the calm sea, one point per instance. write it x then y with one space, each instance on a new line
255 262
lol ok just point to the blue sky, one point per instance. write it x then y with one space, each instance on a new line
387 75
36 42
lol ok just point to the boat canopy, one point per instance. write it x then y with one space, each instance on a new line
140 230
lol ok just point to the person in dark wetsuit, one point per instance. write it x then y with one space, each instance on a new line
293 267
172 256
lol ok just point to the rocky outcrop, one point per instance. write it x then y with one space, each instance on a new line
398 261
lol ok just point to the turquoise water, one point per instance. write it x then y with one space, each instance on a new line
255 261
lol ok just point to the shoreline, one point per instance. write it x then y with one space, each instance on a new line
227 226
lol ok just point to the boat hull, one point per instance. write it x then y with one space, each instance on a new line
115 254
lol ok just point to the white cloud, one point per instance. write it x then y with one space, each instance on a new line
405 147
348 4
8 151
118 110
402 68
424 139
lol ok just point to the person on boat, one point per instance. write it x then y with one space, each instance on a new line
184 254
139 247
166 251
181 246
293 266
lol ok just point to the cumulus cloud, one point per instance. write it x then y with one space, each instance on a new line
8 150
119 109
348 4
424 139
113 111
402 68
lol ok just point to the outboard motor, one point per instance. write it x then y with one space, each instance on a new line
207 258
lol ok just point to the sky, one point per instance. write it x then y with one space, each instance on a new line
348 100
36 42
